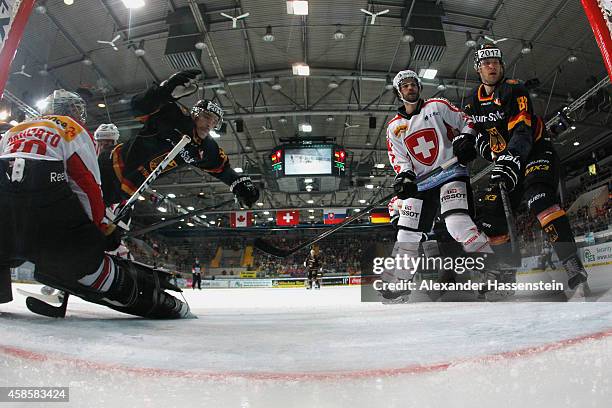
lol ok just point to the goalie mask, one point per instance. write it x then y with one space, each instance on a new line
403 76
62 102
107 131
205 105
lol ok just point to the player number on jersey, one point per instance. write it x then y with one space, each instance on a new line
27 145
522 103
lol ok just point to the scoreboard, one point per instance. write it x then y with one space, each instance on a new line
308 166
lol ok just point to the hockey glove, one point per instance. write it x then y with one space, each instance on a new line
483 147
507 170
180 84
112 237
404 185
245 191
463 148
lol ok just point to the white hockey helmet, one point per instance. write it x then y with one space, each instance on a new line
205 105
107 131
62 102
401 77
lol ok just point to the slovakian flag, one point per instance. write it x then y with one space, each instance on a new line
334 215
287 217
380 216
240 219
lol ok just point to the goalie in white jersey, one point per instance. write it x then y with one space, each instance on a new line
419 139
52 214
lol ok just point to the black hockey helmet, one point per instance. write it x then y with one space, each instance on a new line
486 51
205 105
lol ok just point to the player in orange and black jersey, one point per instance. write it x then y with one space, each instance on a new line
516 140
164 123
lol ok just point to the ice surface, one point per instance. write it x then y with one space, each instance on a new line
298 348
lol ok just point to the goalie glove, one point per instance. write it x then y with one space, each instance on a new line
180 84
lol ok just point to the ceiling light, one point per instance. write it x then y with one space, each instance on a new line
388 84
308 188
297 7
260 204
163 218
132 4
282 119
41 104
469 41
203 216
576 143
299 68
310 201
362 201
69 2
210 222
270 219
305 127
572 58
238 169
380 165
201 43
573 127
371 176
140 51
338 35
276 85
214 134
428 73
357 210
124 101
190 208
369 186
330 118
190 224
407 37
141 198
333 84
268 36
162 209
310 211
87 60
441 86
266 212
308 180
311 217
220 91
101 105
533 94
527 47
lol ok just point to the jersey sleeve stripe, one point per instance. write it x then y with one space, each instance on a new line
444 101
86 181
523 116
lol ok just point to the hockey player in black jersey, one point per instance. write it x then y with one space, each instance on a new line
164 123
515 139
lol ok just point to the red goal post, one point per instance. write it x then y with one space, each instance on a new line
599 14
14 16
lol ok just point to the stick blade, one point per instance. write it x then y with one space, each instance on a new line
270 249
39 307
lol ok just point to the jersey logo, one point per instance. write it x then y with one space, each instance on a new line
399 129
496 140
423 146
154 162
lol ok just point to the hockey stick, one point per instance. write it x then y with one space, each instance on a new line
152 177
41 307
510 220
268 248
176 219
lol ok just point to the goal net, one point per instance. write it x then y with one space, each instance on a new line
13 18
599 14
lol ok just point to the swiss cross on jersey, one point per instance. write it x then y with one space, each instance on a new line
423 146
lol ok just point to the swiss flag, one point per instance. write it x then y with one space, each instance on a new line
287 217
241 219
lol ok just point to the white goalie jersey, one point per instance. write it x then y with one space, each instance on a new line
422 141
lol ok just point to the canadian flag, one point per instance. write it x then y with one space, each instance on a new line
287 217
241 219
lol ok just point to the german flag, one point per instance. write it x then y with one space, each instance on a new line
380 216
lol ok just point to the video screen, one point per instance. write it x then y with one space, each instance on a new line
312 160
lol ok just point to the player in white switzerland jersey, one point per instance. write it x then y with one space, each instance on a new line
52 211
420 138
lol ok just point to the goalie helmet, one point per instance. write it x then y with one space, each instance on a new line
205 105
107 131
62 102
401 77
